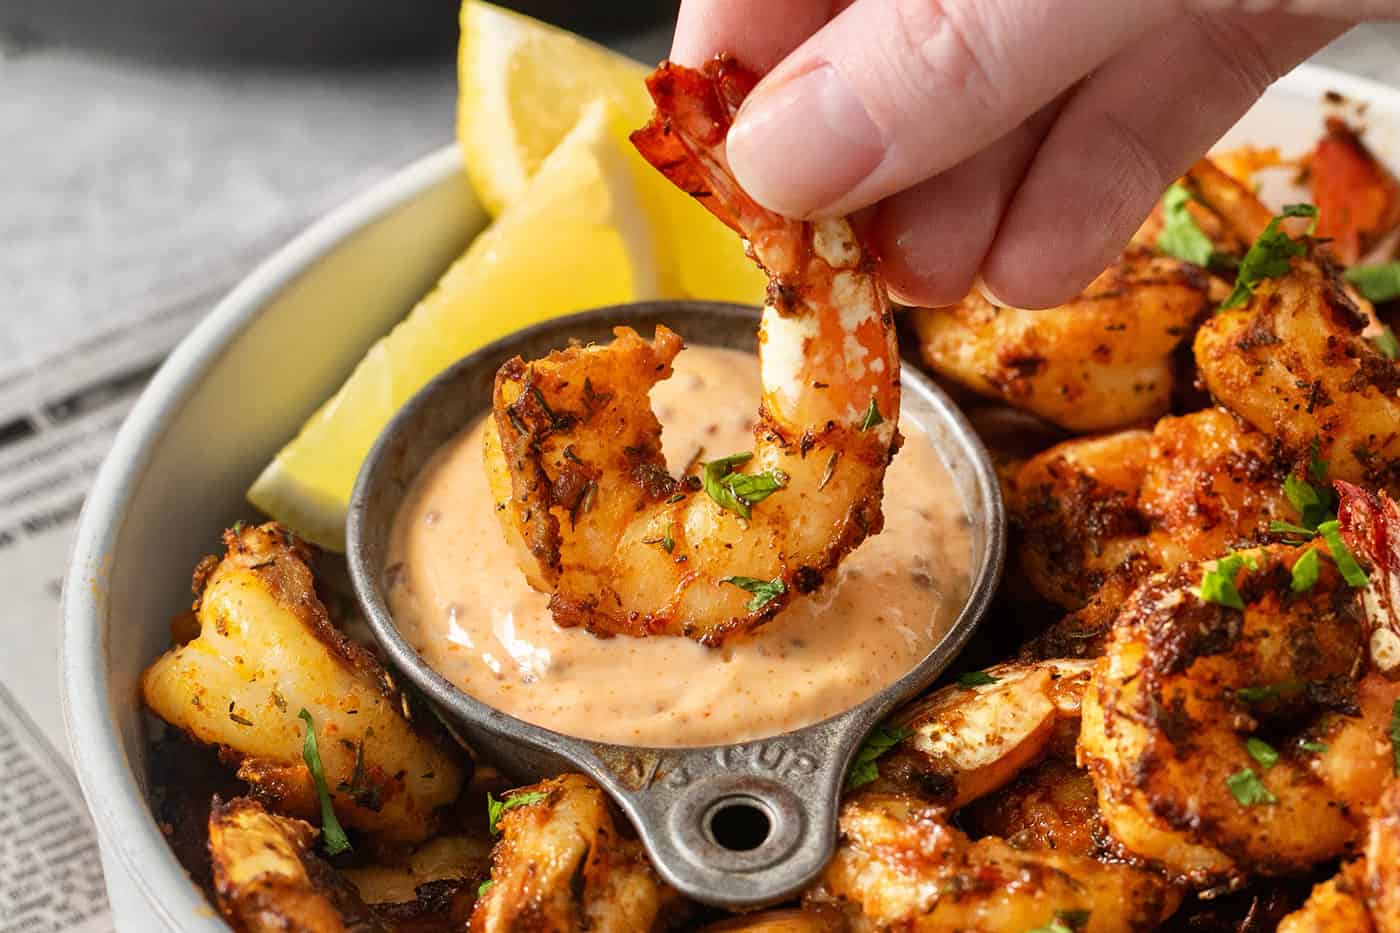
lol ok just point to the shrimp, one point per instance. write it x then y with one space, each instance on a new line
561 864
1294 364
1370 526
1357 197
583 490
1364 897
1225 742
267 665
1097 515
966 741
902 862
1104 360
267 878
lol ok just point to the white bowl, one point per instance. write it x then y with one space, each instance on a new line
237 389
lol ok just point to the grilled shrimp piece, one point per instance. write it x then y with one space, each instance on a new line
266 877
1096 515
561 864
1101 361
625 548
965 742
1173 744
902 864
1357 197
266 650
1051 806
1294 364
1364 897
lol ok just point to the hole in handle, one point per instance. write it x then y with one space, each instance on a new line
739 824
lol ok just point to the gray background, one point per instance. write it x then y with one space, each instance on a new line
128 186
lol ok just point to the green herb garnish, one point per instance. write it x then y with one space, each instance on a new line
1065 921
737 492
1181 236
1314 504
1268 691
976 679
764 591
1262 752
331 831
1351 571
1248 790
872 416
1318 747
1289 528
864 768
484 887
1269 257
1218 583
1386 343
1380 282
494 807
1395 735
1305 571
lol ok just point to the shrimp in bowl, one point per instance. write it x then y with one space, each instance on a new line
575 460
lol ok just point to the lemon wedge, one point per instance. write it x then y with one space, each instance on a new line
577 238
523 84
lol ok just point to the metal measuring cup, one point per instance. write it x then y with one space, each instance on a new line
736 825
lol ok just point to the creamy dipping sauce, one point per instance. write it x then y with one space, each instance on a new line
459 598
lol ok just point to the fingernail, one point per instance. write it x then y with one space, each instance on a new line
799 146
981 287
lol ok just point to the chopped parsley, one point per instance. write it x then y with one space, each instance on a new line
972 679
1318 747
1268 691
1395 735
484 887
1248 790
1181 236
668 543
1313 502
864 768
872 416
331 830
737 492
1386 343
1305 571
1289 528
494 807
1218 583
1262 752
1065 921
1350 570
1269 257
764 591
1380 282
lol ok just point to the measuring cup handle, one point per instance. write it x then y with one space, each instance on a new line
740 825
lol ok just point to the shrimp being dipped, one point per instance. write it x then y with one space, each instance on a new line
576 466
1227 742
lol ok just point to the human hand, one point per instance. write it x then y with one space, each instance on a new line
1020 140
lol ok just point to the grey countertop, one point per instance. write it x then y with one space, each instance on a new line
128 188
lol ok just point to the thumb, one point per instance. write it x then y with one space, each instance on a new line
891 92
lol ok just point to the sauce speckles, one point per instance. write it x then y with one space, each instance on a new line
460 599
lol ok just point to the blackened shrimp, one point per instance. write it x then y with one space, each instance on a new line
1228 741
905 860
581 483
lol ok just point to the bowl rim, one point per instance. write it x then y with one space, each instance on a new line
125 824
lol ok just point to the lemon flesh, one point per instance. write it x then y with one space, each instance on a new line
577 239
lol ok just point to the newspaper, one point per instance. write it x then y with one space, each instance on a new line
57 420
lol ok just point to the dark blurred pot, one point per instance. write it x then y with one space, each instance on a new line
289 31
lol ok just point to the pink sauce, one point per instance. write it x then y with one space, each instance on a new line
460 599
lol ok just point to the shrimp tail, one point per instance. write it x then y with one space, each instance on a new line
1370 527
684 139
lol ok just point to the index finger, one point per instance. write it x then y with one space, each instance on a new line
759 33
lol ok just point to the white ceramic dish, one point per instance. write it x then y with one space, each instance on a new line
237 388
